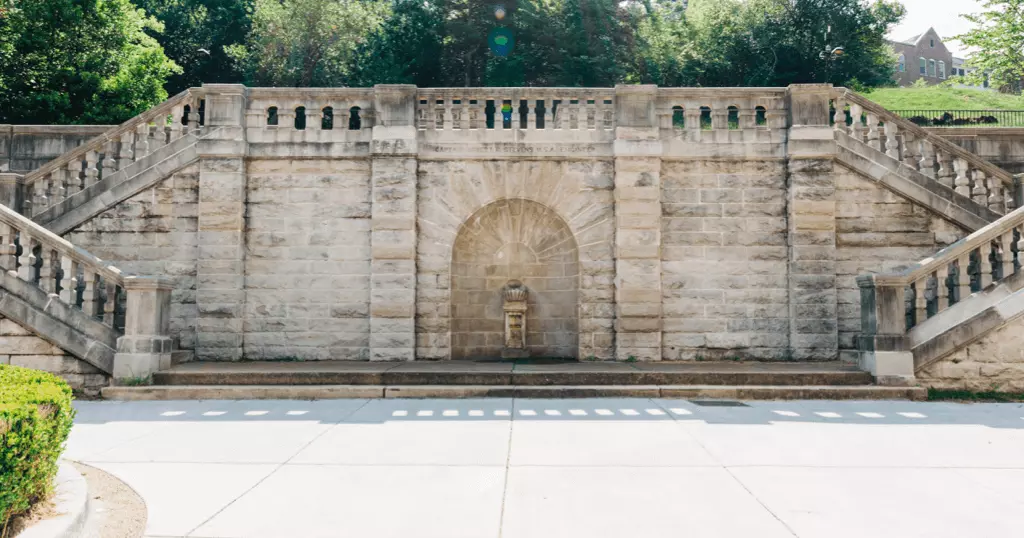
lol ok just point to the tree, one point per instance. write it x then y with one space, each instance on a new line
306 42
197 35
998 37
78 61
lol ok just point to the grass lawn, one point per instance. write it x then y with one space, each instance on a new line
941 98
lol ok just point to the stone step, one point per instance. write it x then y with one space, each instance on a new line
326 392
511 374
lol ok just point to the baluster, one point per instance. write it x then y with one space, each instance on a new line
110 303
995 196
89 296
942 288
446 119
314 118
69 280
343 114
141 141
73 178
609 115
591 114
8 250
56 180
921 300
124 158
963 287
175 127
159 131
40 200
27 261
574 114
927 163
747 117
548 115
892 144
857 129
193 116
874 139
985 253
963 183
109 164
910 156
946 172
1020 245
979 193
1006 254
465 124
91 172
531 114
47 276
839 118
719 118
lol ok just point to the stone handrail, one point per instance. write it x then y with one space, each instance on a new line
285 103
111 151
474 108
972 264
46 260
928 153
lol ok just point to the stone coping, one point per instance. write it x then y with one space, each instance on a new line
71 500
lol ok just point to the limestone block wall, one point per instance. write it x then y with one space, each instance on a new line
154 233
724 260
307 260
994 362
877 231
22 348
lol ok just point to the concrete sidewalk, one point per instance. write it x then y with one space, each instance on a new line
631 468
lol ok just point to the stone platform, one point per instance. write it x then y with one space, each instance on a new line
520 378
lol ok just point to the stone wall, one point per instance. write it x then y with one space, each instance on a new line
26 147
724 260
20 347
877 231
154 233
993 362
1002 146
307 264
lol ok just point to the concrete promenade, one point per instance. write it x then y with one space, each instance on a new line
587 468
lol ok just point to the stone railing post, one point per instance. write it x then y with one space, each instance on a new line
220 271
883 343
12 191
147 344
393 223
638 152
813 299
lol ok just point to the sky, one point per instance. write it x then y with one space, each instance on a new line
943 15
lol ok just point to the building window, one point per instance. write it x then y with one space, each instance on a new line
924 67
931 68
933 43
903 63
942 69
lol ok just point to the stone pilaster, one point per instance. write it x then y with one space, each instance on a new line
146 346
393 236
220 267
637 225
813 302
12 190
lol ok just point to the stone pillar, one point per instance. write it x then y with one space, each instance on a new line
393 236
146 346
12 190
811 207
220 267
883 342
638 151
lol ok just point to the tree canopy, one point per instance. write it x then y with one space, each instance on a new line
998 39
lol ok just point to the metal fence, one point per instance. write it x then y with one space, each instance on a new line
964 118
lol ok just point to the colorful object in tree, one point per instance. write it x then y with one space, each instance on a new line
501 41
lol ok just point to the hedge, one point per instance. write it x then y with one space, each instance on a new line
35 420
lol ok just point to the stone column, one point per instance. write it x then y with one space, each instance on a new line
883 345
220 268
393 236
146 345
811 206
638 151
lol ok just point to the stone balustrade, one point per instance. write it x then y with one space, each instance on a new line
923 151
309 114
721 114
529 109
115 150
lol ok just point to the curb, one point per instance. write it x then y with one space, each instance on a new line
71 500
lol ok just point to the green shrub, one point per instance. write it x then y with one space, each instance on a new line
35 420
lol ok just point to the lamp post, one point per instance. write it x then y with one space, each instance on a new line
829 54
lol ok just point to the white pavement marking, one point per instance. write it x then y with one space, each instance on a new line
630 412
680 411
400 413
476 413
450 413
577 412
871 414
501 412
425 413
655 412
914 415
172 413
527 412
297 412
552 412
213 413
828 414
604 412
257 413
786 413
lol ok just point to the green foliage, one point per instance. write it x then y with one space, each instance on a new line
78 61
35 420
306 42
998 40
197 35
944 98
935 395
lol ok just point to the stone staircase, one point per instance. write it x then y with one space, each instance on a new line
912 320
